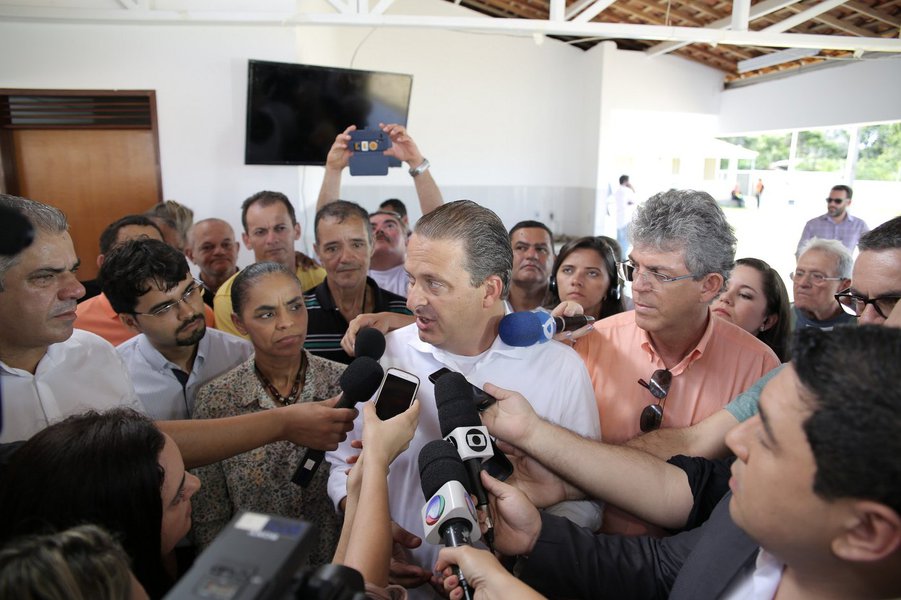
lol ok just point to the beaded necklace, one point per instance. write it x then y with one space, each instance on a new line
292 396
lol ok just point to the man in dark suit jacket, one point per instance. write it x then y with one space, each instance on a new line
815 508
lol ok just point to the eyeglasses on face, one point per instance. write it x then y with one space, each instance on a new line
835 200
816 278
194 290
652 414
627 270
855 304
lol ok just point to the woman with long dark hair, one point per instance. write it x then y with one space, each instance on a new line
755 299
112 469
585 272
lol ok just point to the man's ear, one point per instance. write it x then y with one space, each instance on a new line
100 258
131 322
494 287
711 287
872 532
246 239
297 231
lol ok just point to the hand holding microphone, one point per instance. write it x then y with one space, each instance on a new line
359 382
461 425
527 328
449 518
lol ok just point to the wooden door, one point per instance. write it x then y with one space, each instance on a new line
95 172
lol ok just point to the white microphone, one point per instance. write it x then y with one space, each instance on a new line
448 517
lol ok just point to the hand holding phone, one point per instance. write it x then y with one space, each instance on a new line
396 393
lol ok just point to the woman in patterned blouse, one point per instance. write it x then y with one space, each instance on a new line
269 308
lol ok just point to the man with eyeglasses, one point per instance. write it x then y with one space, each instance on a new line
837 223
212 246
669 362
151 288
49 371
872 298
95 314
824 268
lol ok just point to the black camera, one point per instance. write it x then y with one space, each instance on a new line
260 557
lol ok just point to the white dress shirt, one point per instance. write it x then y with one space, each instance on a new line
83 373
162 394
551 376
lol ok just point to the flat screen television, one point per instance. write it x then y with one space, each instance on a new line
295 111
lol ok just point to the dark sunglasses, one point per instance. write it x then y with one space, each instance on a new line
835 200
652 415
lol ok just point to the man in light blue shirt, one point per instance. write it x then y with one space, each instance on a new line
151 288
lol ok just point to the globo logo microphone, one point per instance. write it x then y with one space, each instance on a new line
474 438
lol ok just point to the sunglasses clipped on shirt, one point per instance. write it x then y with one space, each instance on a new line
652 414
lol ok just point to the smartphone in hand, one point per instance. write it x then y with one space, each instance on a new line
396 393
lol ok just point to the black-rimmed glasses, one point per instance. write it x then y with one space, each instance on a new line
855 304
194 290
652 414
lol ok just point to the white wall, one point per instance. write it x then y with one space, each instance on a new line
863 91
199 75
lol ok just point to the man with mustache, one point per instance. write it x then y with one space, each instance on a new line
459 263
533 257
151 288
344 245
388 226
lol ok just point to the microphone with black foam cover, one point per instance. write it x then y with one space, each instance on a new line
448 517
461 426
16 231
358 383
369 342
528 328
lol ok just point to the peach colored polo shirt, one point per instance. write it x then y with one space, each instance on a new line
726 362
97 316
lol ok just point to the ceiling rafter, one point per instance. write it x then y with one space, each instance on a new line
714 32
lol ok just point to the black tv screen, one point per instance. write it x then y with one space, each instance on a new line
295 111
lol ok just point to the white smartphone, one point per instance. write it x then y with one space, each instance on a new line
396 393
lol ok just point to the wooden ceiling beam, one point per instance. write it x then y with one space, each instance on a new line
843 26
761 9
874 13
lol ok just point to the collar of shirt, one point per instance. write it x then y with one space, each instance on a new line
160 363
327 302
498 347
686 362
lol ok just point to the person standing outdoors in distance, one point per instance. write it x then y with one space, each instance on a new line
758 191
212 246
838 223
533 255
270 230
625 200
